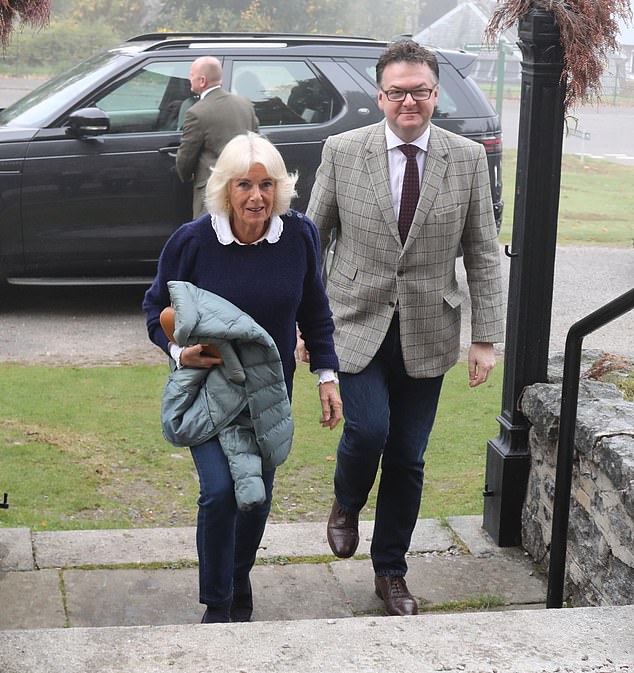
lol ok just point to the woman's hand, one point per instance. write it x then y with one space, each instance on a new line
331 406
301 354
199 356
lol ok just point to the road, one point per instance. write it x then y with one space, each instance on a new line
601 131
13 88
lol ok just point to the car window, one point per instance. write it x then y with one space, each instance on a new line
48 102
284 92
148 100
446 107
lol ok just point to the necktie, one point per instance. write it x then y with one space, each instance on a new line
410 192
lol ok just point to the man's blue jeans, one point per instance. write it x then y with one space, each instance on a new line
388 417
226 538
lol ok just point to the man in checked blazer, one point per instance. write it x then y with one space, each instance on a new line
397 304
209 125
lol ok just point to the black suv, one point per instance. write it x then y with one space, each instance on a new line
88 188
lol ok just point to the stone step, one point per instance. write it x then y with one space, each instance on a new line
130 598
148 576
599 640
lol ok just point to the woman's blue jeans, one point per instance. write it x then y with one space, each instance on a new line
227 539
388 417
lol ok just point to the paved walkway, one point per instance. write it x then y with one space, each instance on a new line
146 580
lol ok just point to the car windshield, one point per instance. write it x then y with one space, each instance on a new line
44 104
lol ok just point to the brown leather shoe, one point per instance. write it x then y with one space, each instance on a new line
395 595
342 531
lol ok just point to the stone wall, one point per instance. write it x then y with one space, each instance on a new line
600 555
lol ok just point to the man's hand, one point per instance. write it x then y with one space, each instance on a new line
481 360
331 405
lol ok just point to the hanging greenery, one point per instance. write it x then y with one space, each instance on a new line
588 30
33 12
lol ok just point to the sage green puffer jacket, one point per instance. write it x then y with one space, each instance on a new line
244 401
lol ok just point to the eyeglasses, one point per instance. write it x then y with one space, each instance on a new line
399 95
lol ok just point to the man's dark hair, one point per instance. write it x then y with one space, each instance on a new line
406 51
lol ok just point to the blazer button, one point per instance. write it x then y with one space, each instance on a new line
391 304
400 272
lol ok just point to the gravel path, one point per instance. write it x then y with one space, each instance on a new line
586 278
105 325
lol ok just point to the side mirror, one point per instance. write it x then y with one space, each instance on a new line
89 121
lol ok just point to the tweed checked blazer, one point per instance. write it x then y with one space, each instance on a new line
209 125
372 272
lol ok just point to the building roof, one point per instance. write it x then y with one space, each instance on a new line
465 24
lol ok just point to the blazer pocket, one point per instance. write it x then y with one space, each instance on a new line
446 213
454 297
342 272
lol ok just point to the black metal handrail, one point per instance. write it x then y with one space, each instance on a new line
567 423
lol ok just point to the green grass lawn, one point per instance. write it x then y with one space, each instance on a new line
596 201
82 448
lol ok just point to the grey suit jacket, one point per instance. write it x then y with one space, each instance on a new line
209 126
372 272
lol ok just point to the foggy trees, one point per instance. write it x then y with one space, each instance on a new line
79 28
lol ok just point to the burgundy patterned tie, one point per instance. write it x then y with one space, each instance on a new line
410 193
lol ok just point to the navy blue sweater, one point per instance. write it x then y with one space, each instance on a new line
277 284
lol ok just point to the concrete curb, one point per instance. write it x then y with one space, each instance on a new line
67 549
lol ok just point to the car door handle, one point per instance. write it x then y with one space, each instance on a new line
171 150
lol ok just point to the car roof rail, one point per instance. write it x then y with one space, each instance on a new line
462 61
163 40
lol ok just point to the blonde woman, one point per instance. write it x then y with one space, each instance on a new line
251 249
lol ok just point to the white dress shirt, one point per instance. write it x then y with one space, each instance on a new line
206 91
397 160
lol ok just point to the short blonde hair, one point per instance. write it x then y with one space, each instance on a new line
237 157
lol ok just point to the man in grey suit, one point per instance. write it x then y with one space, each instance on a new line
395 299
209 125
